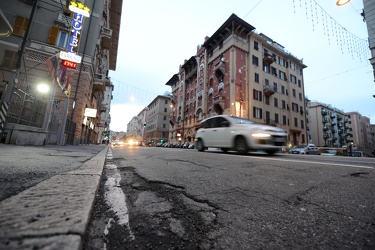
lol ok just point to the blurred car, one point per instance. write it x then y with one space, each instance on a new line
310 150
230 132
329 152
296 150
117 143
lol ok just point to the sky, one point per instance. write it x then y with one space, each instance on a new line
157 36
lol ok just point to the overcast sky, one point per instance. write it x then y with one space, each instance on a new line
157 36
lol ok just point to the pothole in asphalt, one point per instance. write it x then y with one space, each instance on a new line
161 215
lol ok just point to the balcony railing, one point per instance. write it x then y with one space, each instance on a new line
269 89
268 59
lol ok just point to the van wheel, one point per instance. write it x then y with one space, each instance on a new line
200 145
241 145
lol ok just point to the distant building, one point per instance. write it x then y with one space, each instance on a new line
241 73
360 132
157 120
327 125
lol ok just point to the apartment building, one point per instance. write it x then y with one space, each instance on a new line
80 40
359 133
327 125
157 122
239 72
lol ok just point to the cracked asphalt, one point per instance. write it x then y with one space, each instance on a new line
185 199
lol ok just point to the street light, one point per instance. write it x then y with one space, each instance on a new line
342 2
43 88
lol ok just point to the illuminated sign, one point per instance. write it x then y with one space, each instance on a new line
76 32
90 112
79 8
70 57
69 64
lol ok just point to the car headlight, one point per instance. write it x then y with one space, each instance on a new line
261 135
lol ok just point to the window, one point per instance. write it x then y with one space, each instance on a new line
294 107
276 102
276 118
295 122
62 39
293 79
294 93
283 104
164 118
267 99
53 34
165 110
302 124
256 76
9 59
282 89
299 83
274 71
282 75
284 120
255 61
164 126
275 86
256 47
166 102
257 95
266 68
300 96
266 81
20 25
257 113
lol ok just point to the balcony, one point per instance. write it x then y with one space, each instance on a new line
219 104
219 69
103 108
325 128
333 116
268 59
339 117
324 120
64 20
269 90
106 32
100 82
324 112
172 120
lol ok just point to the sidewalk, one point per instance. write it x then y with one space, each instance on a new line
54 213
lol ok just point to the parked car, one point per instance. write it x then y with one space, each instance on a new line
329 152
296 150
230 132
310 149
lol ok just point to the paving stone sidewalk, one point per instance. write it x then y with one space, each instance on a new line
54 213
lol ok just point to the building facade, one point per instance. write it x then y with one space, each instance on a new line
369 17
327 125
241 73
359 133
157 121
44 32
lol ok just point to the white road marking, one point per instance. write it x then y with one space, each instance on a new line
311 162
116 199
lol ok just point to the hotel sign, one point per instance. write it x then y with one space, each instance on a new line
80 11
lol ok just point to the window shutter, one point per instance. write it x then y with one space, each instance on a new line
52 36
19 25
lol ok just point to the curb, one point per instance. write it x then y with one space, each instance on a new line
54 214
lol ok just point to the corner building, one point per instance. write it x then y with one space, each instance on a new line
241 73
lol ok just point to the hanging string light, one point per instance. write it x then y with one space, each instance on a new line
332 29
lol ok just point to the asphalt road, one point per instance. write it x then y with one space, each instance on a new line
167 198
